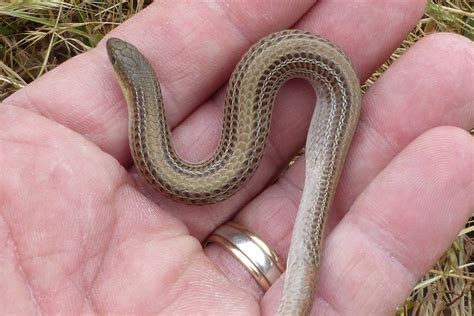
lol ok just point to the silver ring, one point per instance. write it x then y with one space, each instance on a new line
262 263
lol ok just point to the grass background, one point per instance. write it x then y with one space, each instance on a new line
36 36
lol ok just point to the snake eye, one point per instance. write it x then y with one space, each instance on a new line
112 58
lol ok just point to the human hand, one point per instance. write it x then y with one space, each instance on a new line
83 233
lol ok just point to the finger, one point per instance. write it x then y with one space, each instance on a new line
413 96
193 47
397 229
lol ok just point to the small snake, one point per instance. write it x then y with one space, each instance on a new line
248 109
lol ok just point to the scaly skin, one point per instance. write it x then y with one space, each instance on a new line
249 103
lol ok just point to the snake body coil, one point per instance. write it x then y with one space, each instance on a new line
249 102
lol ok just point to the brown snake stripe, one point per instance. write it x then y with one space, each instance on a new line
247 115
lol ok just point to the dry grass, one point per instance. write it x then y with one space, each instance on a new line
36 36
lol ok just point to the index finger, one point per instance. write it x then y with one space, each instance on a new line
194 46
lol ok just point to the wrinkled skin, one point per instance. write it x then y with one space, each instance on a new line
81 232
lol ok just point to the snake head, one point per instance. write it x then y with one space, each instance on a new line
115 48
125 58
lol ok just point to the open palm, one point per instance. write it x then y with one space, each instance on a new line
81 232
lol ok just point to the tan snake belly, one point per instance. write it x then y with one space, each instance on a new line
247 115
